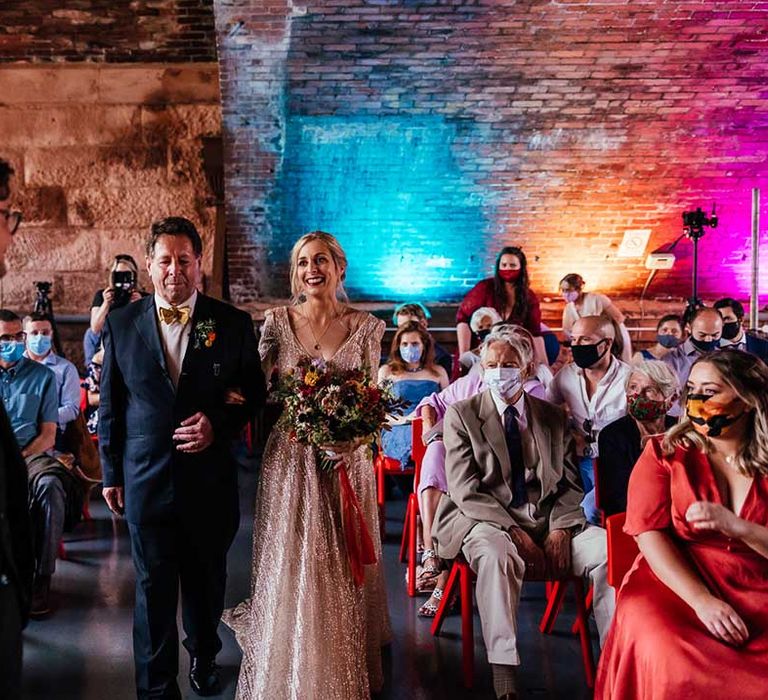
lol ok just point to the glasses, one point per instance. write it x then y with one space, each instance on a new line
12 219
20 337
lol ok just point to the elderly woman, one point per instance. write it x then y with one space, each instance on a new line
483 319
692 614
652 388
432 484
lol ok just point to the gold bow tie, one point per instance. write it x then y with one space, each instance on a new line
175 313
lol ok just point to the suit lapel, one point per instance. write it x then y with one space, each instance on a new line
146 325
537 424
494 433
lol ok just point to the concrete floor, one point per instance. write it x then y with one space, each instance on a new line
84 651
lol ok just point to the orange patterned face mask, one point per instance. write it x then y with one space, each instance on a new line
711 418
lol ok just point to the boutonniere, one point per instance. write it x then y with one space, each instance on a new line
205 333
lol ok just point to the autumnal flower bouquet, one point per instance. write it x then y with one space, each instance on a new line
336 410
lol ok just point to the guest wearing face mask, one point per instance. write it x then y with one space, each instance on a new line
733 335
652 387
705 330
669 334
512 507
692 614
412 370
481 322
592 390
508 292
416 311
579 303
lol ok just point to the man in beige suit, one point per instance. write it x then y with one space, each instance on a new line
513 502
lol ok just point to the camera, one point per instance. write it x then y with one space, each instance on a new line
695 221
42 300
123 283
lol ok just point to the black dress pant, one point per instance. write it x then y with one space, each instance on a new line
189 555
10 640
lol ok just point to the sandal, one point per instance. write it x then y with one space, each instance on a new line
429 609
427 577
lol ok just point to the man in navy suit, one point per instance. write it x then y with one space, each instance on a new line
181 376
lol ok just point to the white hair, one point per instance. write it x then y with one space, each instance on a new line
480 314
519 339
659 374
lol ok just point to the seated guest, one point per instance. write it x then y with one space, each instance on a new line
29 395
669 334
117 293
513 503
483 319
418 313
432 485
733 335
705 329
592 390
579 303
91 384
652 387
39 332
692 614
412 369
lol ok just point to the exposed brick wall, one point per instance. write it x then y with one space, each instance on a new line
107 31
428 134
99 153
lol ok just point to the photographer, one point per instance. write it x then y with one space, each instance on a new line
122 289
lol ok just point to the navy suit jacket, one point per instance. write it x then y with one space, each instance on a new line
139 410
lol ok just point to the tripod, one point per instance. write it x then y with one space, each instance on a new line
44 306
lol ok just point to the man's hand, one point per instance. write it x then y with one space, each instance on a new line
194 435
113 495
533 556
557 549
703 515
234 396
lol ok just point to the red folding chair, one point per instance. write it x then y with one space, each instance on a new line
385 466
622 549
411 524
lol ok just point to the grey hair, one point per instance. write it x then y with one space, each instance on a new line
659 374
519 339
481 313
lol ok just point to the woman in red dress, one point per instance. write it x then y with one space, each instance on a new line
507 292
692 615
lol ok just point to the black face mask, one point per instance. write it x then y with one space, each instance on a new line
731 330
705 345
585 356
483 334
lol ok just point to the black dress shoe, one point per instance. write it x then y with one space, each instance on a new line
204 676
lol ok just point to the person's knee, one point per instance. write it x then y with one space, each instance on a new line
49 489
498 551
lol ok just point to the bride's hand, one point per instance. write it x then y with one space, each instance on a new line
343 449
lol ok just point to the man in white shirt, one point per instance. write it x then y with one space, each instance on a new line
592 389
512 507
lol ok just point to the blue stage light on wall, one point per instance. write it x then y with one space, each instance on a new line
412 222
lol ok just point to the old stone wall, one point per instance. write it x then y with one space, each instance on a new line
100 152
428 133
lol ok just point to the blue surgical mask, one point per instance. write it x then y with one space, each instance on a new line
11 351
410 353
668 340
39 344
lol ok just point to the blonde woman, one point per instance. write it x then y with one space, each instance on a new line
692 614
307 631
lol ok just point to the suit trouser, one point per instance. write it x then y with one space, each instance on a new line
10 640
165 557
492 555
48 509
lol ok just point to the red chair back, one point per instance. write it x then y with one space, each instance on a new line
83 399
622 549
417 450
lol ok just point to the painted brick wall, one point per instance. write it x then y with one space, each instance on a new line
111 31
427 134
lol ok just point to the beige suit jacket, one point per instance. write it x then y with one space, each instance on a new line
479 472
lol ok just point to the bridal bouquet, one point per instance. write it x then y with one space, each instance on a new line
335 411
324 405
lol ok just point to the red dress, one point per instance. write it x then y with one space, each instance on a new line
657 648
482 294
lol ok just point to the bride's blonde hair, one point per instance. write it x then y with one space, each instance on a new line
337 255
747 375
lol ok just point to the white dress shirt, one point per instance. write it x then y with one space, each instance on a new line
607 404
175 337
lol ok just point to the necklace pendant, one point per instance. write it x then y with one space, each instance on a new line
317 346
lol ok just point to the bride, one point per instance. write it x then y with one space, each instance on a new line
307 631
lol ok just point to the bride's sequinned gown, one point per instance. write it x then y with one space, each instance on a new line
306 631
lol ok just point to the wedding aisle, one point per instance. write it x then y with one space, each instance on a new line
83 652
